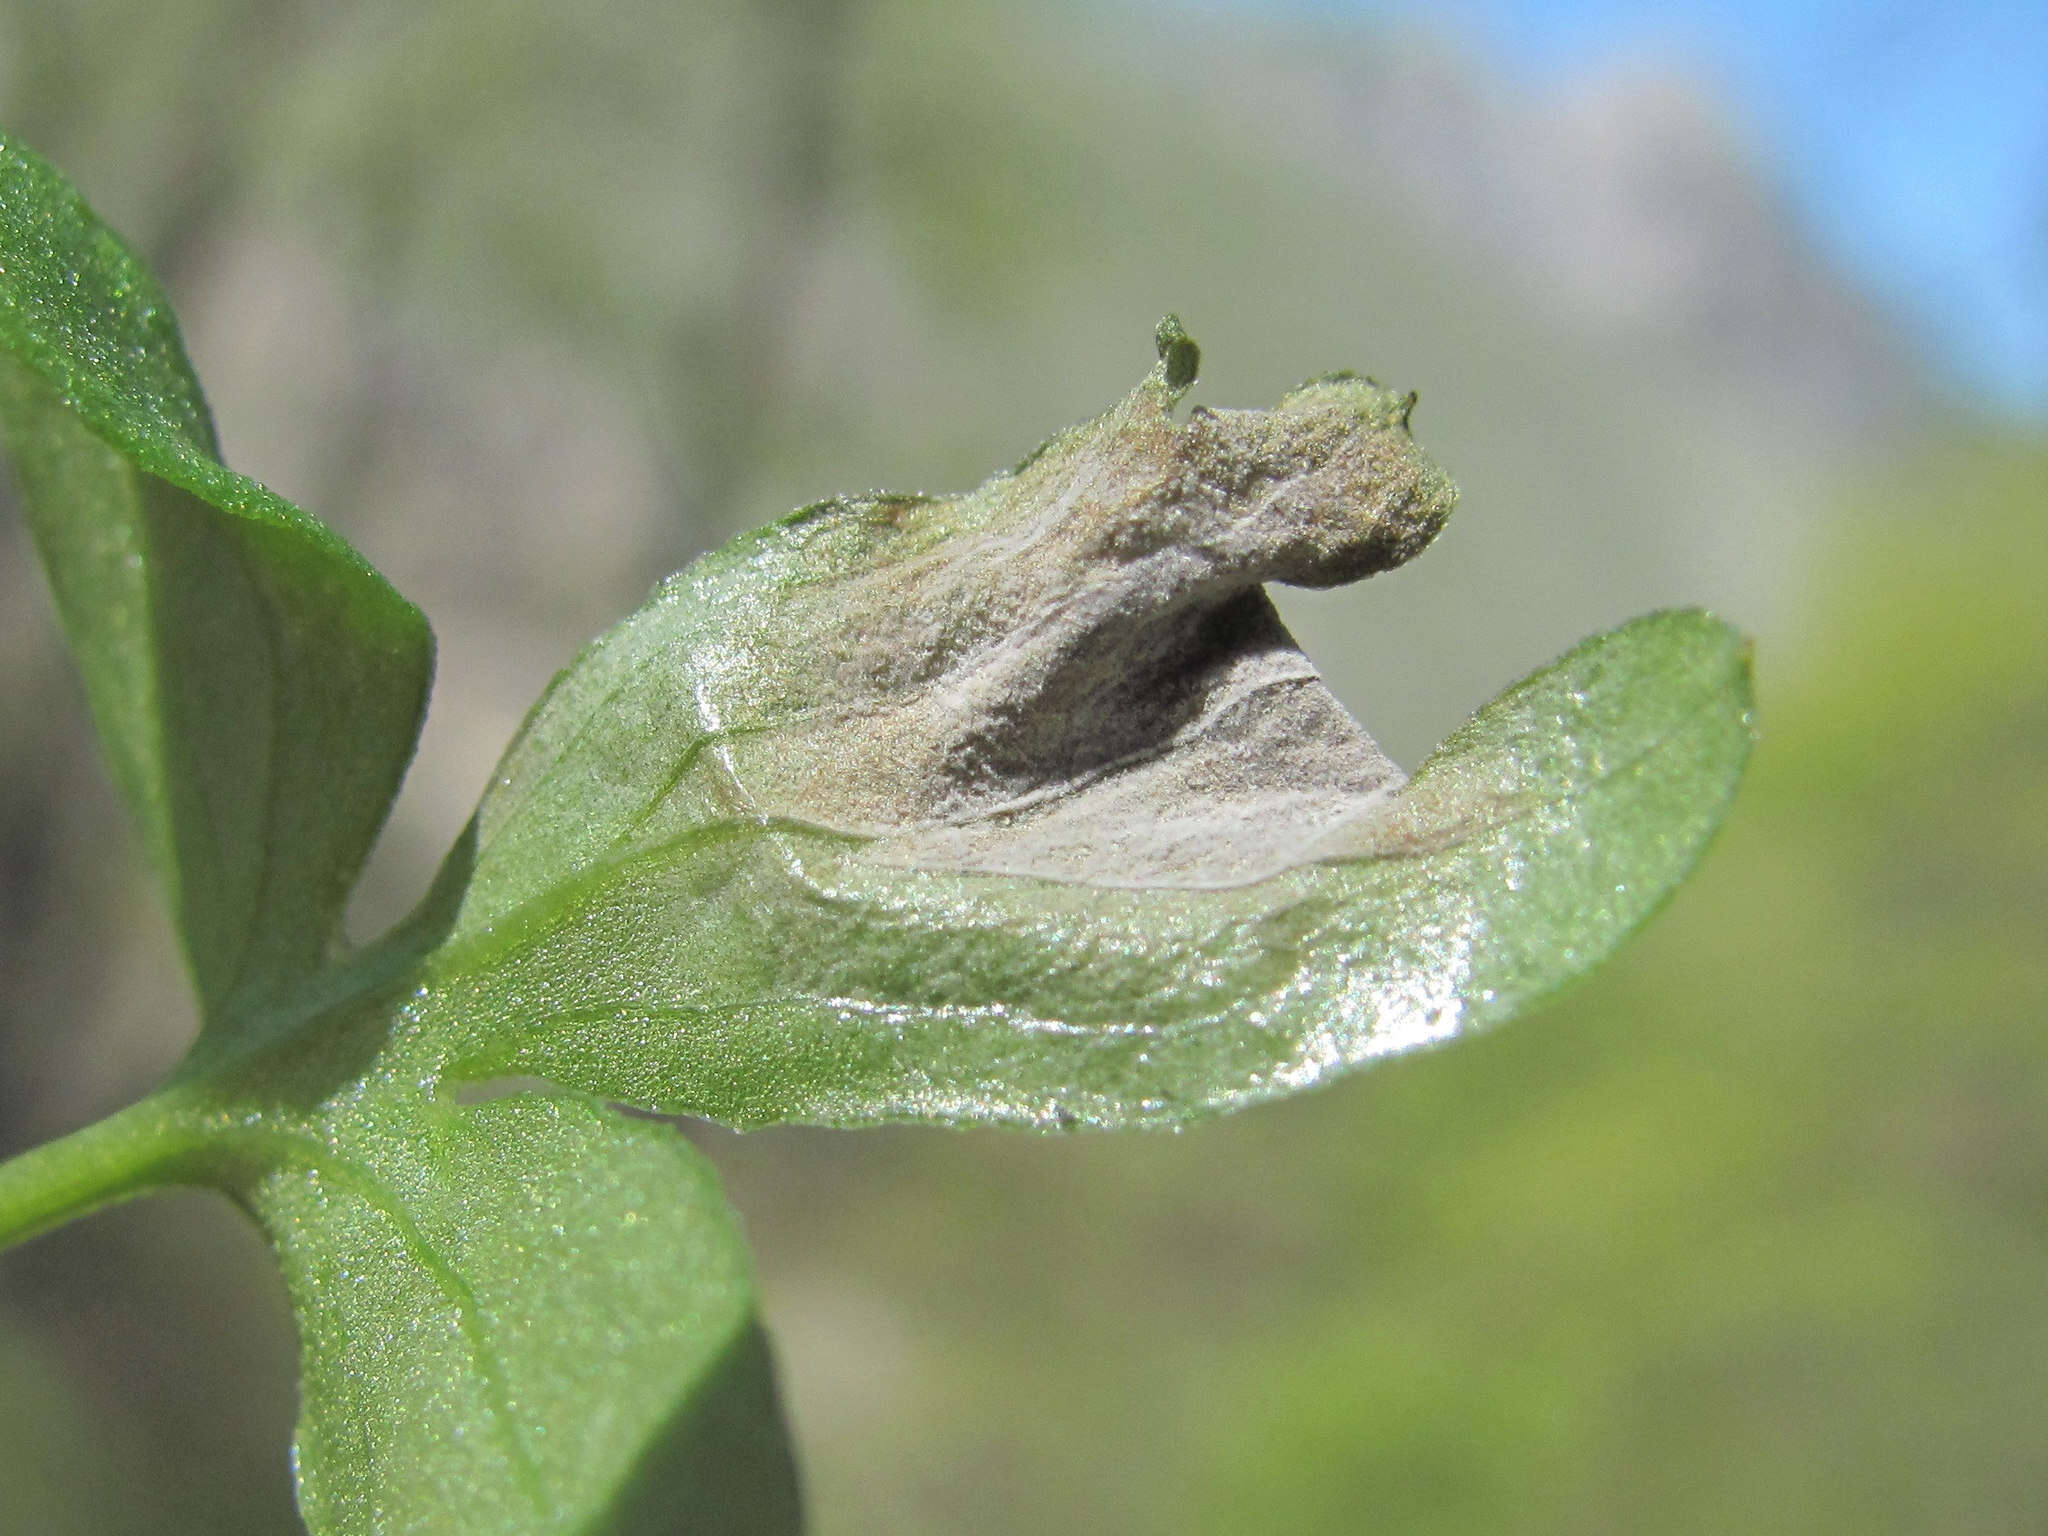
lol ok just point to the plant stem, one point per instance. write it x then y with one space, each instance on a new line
108 1161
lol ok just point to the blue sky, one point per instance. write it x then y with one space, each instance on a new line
1913 138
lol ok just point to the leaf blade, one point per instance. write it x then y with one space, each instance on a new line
259 687
530 1315
864 818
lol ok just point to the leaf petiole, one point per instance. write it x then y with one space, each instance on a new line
156 1142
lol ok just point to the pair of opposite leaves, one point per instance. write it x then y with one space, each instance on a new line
1017 806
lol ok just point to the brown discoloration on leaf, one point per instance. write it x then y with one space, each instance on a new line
1074 672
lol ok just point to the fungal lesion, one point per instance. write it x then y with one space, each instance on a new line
1079 676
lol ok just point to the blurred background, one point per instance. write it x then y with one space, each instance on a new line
1749 307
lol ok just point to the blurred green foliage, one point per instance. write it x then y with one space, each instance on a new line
1746 1233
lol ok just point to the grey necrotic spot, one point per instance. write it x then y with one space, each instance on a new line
1074 673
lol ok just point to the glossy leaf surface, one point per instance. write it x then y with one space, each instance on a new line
816 837
258 686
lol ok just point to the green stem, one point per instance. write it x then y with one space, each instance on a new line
114 1159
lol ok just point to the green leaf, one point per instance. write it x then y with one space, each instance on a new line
526 1315
258 686
1016 806
530 1314
1022 805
